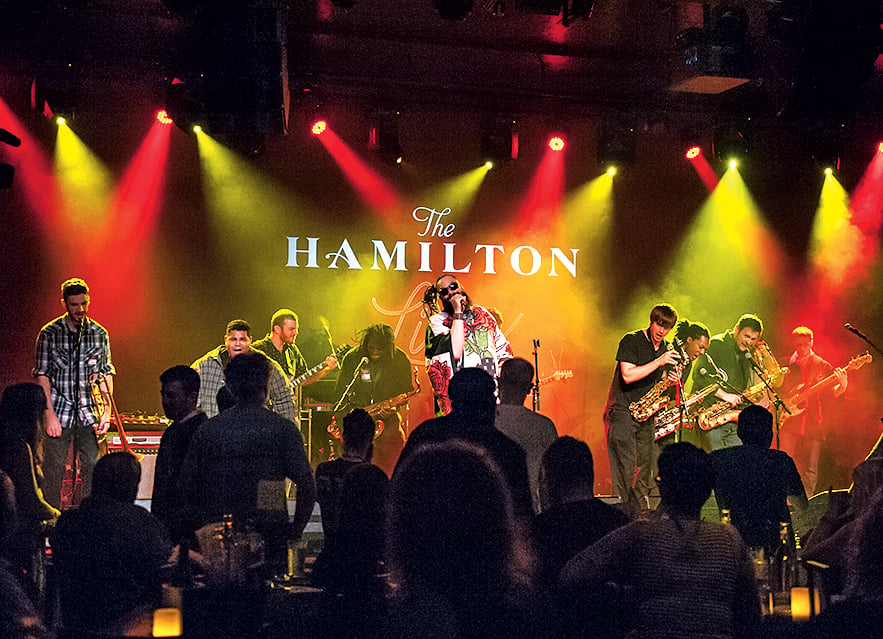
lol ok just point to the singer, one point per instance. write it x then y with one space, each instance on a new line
70 348
381 371
728 357
459 335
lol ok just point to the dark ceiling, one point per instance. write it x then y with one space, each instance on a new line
804 60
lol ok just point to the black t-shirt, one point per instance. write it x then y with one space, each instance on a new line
754 484
635 348
560 532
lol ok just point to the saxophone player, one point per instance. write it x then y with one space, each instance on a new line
376 371
641 361
729 356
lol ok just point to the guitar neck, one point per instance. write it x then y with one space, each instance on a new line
315 370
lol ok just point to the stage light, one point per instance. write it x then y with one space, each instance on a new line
162 116
185 106
557 143
319 127
693 152
616 145
7 171
60 121
880 147
499 139
55 90
828 170
730 142
488 165
197 128
733 164
611 171
383 137
453 9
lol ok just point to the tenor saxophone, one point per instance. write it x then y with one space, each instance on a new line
655 399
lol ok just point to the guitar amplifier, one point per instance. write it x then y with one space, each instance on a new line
143 443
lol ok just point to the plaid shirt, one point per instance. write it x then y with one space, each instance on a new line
211 378
68 368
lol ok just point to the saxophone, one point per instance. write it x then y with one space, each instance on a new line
655 399
669 420
722 412
375 409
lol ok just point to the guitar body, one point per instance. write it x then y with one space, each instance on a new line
802 393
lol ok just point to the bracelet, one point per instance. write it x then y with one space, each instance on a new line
458 316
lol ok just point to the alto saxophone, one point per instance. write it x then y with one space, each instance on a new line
655 399
722 412
374 410
669 420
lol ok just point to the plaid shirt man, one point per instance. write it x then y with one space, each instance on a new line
211 378
69 367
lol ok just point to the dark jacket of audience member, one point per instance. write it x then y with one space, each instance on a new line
472 419
108 553
21 415
571 518
754 482
180 393
238 462
681 576
456 552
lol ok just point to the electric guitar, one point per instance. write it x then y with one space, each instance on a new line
554 377
339 352
802 394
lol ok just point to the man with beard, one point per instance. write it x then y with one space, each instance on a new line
71 349
729 358
459 335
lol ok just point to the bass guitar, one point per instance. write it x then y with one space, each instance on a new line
803 394
556 376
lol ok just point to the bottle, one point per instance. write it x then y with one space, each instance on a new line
783 560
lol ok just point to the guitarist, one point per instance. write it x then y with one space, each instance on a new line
378 370
279 346
802 435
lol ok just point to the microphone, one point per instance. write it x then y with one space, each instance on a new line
362 362
852 329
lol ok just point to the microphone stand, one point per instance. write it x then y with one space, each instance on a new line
777 400
346 390
536 366
863 337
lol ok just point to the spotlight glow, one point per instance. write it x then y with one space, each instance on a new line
197 128
162 116
557 143
693 152
611 171
733 165
488 165
60 121
880 147
319 127
828 170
